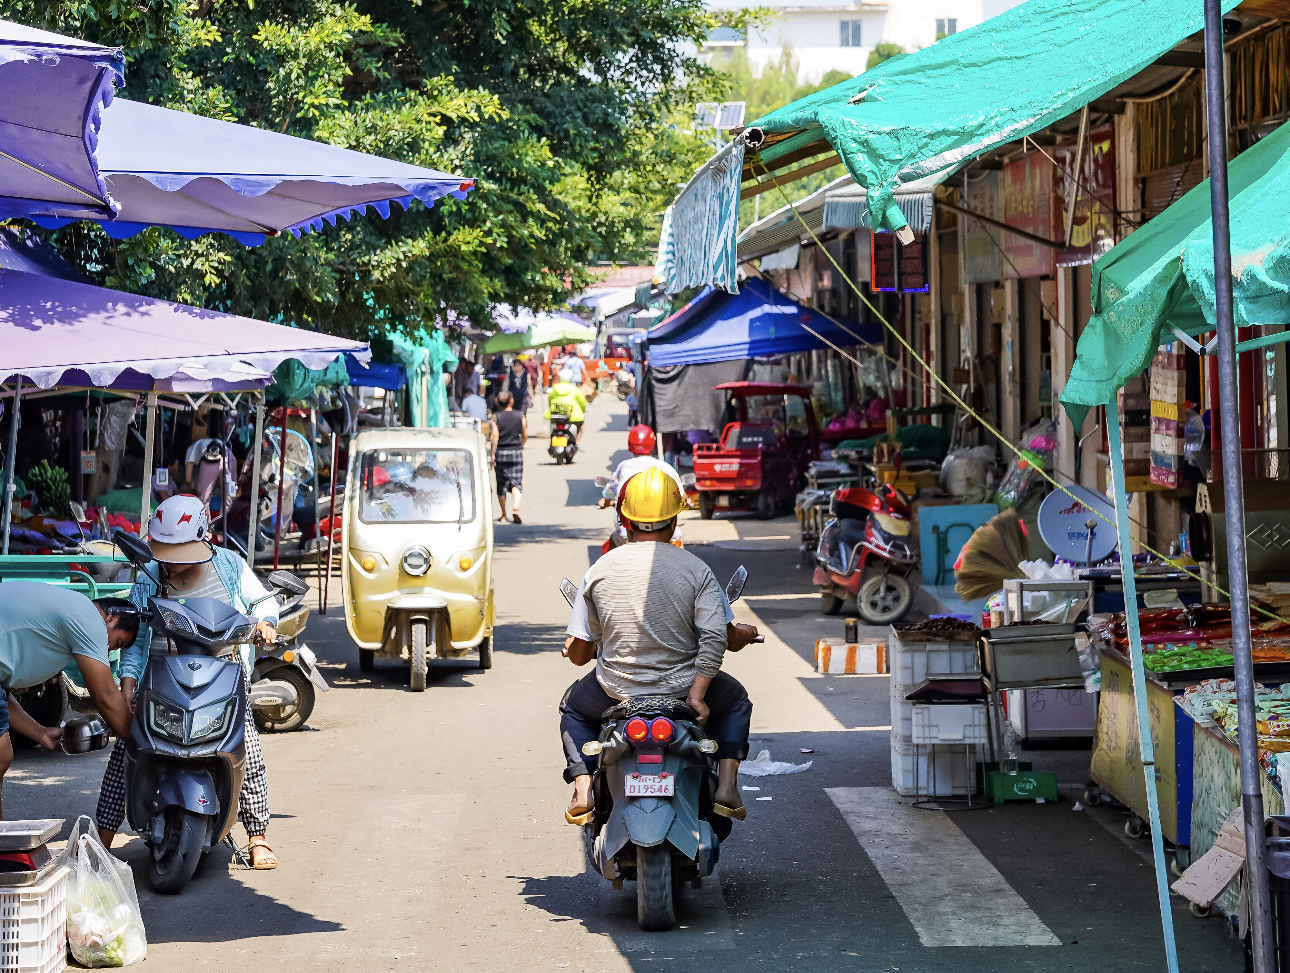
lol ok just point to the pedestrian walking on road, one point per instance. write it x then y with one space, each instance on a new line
517 383
510 433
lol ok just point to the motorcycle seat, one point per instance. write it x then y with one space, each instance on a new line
672 706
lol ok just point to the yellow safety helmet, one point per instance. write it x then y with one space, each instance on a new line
651 499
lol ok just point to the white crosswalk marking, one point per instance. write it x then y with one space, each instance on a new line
948 889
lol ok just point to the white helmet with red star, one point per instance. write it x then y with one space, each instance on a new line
177 531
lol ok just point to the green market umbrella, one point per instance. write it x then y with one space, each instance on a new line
545 330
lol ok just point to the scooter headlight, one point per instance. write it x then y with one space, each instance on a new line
166 719
211 722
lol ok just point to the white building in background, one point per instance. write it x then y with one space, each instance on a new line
840 36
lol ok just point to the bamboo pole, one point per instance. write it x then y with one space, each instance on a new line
253 513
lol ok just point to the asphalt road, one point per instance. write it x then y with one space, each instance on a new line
425 831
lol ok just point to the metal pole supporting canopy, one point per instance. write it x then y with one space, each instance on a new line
1233 492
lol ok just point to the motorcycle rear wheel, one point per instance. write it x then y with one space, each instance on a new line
420 637
655 906
884 599
294 716
185 838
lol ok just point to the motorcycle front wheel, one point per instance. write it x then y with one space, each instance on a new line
290 717
884 599
181 851
655 906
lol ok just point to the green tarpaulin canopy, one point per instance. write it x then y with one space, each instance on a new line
1162 276
923 115
550 329
928 112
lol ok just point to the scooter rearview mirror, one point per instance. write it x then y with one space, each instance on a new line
735 586
78 511
287 581
136 551
569 590
602 481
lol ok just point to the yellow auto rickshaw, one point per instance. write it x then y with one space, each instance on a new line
417 555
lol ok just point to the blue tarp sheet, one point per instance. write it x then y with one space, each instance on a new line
376 375
758 322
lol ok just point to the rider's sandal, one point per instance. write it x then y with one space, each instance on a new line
581 817
738 813
266 859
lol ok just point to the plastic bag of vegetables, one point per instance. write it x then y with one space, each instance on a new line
104 924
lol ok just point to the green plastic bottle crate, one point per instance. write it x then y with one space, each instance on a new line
1025 785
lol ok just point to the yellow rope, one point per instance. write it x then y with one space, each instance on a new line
954 396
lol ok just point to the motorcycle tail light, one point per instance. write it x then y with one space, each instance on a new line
637 729
661 730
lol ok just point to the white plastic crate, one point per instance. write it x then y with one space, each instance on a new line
33 925
913 662
946 770
936 723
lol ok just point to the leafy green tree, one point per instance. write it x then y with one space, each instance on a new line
562 112
884 51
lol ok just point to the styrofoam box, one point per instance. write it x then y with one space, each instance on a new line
913 662
939 771
33 925
949 723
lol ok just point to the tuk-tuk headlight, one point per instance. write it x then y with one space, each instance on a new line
416 561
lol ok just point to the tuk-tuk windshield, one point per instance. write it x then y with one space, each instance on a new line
416 486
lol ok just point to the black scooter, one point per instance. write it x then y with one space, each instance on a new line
186 755
564 439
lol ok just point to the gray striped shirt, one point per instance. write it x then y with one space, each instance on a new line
659 617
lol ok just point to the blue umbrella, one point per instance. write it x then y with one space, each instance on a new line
199 175
52 92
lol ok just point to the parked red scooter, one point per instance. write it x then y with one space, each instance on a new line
869 529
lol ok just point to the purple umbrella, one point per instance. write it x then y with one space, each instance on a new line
199 175
54 91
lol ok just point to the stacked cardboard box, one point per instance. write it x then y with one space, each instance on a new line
1168 410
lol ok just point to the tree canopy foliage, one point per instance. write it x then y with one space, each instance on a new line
559 109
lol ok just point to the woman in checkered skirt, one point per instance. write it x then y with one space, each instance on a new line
510 433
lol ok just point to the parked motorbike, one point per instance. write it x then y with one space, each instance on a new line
654 823
564 439
186 755
865 550
286 673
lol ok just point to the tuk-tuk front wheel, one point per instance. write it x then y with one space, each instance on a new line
420 639
366 660
486 653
